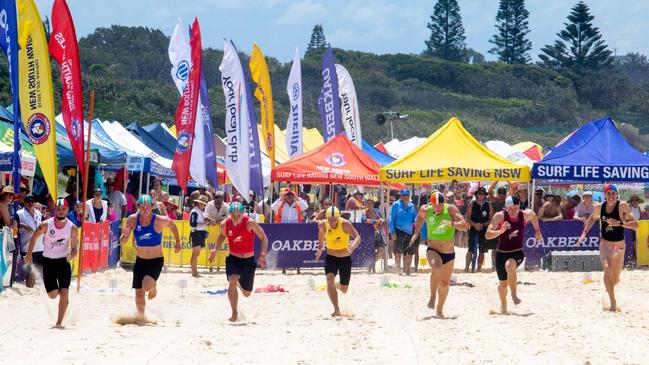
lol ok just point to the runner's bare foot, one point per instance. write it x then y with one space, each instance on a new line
439 313
58 327
234 317
152 293
336 313
516 300
503 310
431 303
613 307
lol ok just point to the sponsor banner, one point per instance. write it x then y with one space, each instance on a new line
642 245
113 245
134 163
329 102
591 173
156 169
294 144
563 236
264 93
351 118
453 173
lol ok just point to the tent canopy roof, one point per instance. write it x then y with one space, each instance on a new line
595 152
338 161
451 153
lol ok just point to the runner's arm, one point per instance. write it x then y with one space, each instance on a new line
221 238
74 240
421 219
493 231
126 231
255 227
591 220
531 216
168 223
628 219
349 229
32 241
458 221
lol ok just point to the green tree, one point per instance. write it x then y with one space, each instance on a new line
318 40
510 42
580 47
446 32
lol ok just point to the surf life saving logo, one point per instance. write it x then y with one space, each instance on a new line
38 128
336 159
184 141
75 128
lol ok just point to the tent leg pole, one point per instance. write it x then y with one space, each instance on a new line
139 191
533 189
148 182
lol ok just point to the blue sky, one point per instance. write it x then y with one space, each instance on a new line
379 26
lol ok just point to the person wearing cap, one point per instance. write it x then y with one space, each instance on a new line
28 220
198 230
335 233
239 231
372 216
402 220
117 200
585 207
441 220
498 200
478 217
147 227
539 198
614 216
288 208
508 227
75 214
634 202
96 208
551 210
59 238
217 210
521 194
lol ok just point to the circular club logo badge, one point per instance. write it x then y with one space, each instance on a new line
182 72
184 141
296 91
38 128
336 159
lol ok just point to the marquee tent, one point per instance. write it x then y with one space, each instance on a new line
507 151
376 155
532 150
451 153
338 161
381 147
155 143
596 152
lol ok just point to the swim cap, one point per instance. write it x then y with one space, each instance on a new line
437 198
236 207
62 203
144 199
608 187
332 212
512 200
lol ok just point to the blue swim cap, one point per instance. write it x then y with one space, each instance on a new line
236 207
145 199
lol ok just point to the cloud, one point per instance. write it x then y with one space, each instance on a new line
303 12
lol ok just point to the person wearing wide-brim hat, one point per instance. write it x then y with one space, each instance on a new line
6 197
634 202
198 230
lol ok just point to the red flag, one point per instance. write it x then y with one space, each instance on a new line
65 50
186 112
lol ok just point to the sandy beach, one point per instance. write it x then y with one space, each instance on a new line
561 321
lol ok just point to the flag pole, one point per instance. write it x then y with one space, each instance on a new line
86 162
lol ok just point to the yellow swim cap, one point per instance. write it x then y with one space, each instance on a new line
332 212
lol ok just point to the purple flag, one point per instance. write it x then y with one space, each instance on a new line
256 178
328 102
210 154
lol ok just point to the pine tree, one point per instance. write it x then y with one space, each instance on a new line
318 40
447 33
580 48
510 42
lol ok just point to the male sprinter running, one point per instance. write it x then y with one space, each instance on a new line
614 215
59 247
441 222
240 264
147 232
508 226
334 232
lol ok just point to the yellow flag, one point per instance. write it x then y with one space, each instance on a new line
35 90
263 93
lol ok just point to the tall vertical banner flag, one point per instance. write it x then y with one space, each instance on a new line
351 117
264 93
65 50
186 112
9 44
36 91
329 103
256 177
237 123
294 124
181 63
208 136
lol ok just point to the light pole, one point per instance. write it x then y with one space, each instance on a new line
391 116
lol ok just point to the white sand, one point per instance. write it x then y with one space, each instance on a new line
560 321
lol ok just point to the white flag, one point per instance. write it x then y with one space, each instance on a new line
294 123
181 62
349 106
237 122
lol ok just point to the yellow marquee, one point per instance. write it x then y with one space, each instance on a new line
451 153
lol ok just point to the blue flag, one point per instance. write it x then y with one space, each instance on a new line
256 177
210 154
328 102
9 44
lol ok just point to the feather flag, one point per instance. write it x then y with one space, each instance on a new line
264 93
